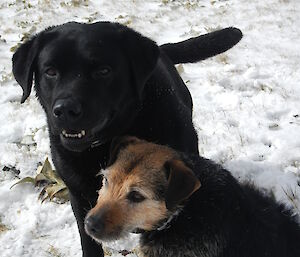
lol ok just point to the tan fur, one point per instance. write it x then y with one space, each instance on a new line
139 167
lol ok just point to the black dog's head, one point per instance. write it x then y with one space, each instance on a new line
88 78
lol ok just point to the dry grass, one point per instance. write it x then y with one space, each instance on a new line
53 252
3 228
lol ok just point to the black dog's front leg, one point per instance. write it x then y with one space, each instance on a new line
90 247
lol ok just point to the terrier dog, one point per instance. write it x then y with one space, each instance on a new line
187 206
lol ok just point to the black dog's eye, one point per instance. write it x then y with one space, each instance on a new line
51 72
101 72
135 197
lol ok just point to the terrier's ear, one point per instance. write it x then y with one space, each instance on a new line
117 144
182 183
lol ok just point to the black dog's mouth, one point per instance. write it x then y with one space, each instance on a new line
78 141
74 134
81 139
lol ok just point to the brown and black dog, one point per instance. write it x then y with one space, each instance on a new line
187 206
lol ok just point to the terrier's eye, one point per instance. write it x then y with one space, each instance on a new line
104 181
135 197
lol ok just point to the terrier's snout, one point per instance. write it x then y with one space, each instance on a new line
94 224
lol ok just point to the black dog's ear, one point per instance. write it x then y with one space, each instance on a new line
143 54
24 60
182 183
117 144
24 65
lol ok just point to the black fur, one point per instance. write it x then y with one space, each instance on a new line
225 219
206 46
108 80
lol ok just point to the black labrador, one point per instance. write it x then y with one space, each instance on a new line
101 80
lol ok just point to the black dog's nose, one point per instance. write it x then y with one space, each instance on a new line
94 224
67 109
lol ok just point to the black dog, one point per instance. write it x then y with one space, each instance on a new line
187 206
97 81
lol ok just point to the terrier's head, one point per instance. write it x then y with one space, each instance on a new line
143 186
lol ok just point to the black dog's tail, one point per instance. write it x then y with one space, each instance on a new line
202 47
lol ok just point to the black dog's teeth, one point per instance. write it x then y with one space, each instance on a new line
73 135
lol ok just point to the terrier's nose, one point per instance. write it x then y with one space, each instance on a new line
94 224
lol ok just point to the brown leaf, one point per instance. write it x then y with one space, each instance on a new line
24 180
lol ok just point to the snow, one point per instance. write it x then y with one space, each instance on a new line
246 104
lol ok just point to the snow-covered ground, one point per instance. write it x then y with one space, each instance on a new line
246 104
